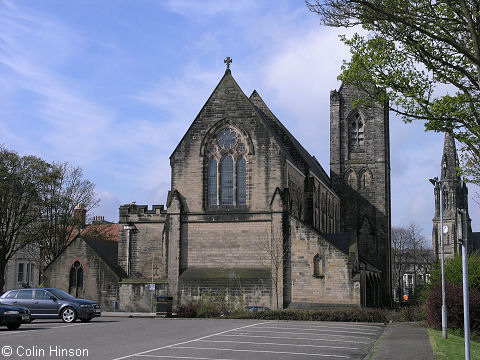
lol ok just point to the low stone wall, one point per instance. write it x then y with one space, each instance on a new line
136 296
240 287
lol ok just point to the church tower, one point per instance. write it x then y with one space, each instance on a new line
360 175
455 197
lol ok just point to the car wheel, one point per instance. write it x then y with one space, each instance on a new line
14 326
86 320
69 315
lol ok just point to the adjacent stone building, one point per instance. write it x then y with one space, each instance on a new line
455 198
253 217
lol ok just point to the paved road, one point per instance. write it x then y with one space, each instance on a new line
136 338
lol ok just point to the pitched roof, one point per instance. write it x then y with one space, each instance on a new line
107 251
296 153
339 240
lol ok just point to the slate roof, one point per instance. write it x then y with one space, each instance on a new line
340 240
296 153
108 252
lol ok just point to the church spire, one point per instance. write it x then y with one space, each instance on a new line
449 158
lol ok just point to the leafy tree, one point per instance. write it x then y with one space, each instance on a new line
453 271
21 182
36 206
424 55
66 190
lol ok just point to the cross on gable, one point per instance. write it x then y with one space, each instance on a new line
228 61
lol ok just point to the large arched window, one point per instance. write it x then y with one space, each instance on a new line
357 135
241 181
226 180
212 182
226 154
76 278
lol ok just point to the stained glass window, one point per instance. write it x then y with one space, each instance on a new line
241 181
212 182
226 180
227 139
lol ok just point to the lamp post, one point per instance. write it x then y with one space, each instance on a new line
466 311
438 184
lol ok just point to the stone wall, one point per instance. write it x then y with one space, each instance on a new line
136 296
334 284
100 283
140 237
238 287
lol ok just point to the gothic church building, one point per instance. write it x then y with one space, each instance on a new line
253 217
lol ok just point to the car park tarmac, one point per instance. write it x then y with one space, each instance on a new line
117 338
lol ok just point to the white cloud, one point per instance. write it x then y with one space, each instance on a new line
200 9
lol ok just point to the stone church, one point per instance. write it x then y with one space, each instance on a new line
253 217
455 197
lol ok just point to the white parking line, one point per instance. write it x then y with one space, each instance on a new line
307 329
277 344
300 326
300 338
261 351
301 333
189 341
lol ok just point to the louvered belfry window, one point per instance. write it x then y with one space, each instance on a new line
357 132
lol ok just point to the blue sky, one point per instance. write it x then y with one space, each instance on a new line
112 86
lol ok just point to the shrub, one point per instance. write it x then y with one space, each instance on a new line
354 314
188 310
454 304
453 271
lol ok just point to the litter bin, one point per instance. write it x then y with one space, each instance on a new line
164 306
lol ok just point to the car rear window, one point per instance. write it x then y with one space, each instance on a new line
24 294
11 294
41 295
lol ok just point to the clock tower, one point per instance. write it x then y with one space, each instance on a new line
455 197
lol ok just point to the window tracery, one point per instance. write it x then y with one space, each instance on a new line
76 278
226 157
357 132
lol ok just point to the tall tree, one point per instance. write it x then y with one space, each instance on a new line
409 255
37 202
21 182
425 57
66 191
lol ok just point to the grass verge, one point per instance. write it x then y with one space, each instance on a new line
453 347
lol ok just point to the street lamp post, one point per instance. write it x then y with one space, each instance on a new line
438 184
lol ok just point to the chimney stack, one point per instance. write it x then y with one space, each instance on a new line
80 215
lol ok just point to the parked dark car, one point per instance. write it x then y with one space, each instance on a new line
50 303
255 308
13 316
